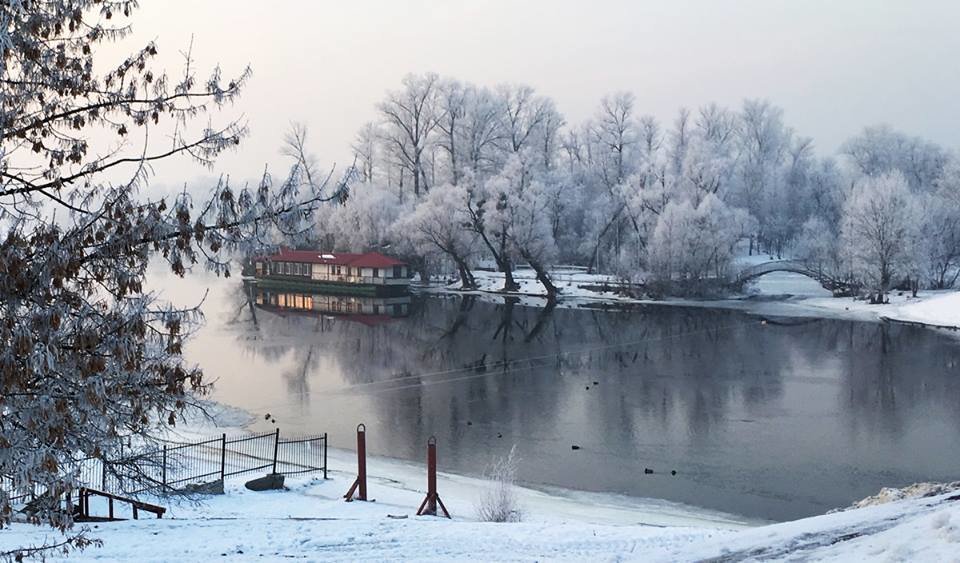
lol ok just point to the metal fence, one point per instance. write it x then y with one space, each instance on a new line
178 467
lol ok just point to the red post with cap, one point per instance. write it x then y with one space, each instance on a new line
360 485
429 504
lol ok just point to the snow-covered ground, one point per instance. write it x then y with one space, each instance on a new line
311 522
805 296
778 293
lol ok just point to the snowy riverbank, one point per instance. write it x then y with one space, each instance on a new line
311 522
779 293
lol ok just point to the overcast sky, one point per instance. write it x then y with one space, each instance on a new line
833 65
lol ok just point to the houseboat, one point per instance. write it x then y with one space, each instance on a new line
370 273
368 310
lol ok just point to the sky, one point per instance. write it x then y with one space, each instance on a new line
833 66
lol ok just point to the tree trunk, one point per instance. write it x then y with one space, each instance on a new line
467 281
507 268
544 278
594 259
416 175
503 262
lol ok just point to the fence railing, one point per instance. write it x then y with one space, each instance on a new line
184 467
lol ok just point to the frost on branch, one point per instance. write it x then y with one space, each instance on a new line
88 360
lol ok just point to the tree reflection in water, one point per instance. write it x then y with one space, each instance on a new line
778 420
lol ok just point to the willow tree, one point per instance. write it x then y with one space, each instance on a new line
87 357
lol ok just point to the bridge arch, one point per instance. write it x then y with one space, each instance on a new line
754 271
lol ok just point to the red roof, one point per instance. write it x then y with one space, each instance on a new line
365 260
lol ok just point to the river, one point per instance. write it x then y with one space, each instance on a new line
774 419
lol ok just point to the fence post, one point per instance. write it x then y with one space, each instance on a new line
164 489
223 456
276 449
324 456
103 475
361 482
429 504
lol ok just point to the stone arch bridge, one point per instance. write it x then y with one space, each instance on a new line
754 271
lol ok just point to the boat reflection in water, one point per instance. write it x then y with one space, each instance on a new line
370 310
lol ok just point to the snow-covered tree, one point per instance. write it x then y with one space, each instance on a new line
441 222
518 207
764 147
410 117
452 107
87 358
881 150
365 150
878 230
818 246
939 242
691 244
482 131
364 221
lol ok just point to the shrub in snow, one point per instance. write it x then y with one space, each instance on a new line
499 503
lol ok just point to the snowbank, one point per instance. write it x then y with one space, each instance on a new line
778 293
311 522
939 310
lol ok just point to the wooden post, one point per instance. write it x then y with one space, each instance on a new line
429 504
361 482
136 515
276 449
110 505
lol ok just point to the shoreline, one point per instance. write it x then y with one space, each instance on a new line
784 305
542 502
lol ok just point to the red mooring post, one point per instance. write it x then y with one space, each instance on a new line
429 504
361 482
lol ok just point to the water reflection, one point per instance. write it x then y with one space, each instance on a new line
778 419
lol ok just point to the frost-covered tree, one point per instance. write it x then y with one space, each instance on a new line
452 105
410 117
365 150
764 147
817 246
518 208
481 131
364 221
881 150
692 244
878 230
441 222
522 115
87 357
939 242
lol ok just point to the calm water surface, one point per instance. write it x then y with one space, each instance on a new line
777 420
